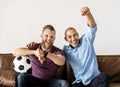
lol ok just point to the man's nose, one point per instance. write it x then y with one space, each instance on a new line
73 37
49 38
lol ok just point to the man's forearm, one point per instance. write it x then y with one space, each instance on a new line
90 20
59 60
23 52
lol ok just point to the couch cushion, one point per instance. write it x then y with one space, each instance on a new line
110 64
7 78
60 72
6 61
114 84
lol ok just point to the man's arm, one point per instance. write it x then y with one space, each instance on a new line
25 51
57 59
85 11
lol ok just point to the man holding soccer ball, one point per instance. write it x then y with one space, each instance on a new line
45 58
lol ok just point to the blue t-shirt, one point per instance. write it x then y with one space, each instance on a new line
82 58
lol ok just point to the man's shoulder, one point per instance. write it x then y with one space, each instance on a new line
65 47
56 48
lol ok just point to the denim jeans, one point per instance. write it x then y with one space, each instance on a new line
27 80
102 80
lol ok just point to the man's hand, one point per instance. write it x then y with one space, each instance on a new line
40 55
85 11
31 44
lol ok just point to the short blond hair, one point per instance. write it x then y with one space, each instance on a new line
50 27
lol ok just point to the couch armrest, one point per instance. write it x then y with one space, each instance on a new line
6 61
7 78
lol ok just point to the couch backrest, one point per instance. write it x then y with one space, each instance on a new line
6 61
109 64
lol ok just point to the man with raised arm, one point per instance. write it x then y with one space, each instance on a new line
81 55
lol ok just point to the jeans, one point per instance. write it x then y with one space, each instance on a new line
102 80
27 80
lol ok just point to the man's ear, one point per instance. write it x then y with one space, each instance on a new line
41 35
65 38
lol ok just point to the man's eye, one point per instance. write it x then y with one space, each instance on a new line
69 36
46 35
75 34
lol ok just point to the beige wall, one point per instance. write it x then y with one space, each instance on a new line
21 22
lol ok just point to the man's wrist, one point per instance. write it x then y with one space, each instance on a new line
45 53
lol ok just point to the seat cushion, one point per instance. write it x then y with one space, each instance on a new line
115 84
7 78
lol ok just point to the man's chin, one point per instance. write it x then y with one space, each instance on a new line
48 46
74 45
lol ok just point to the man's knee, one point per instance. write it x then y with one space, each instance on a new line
103 80
21 77
62 83
105 76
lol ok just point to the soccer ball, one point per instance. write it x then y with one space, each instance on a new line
22 64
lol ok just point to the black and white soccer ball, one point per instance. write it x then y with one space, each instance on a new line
22 64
